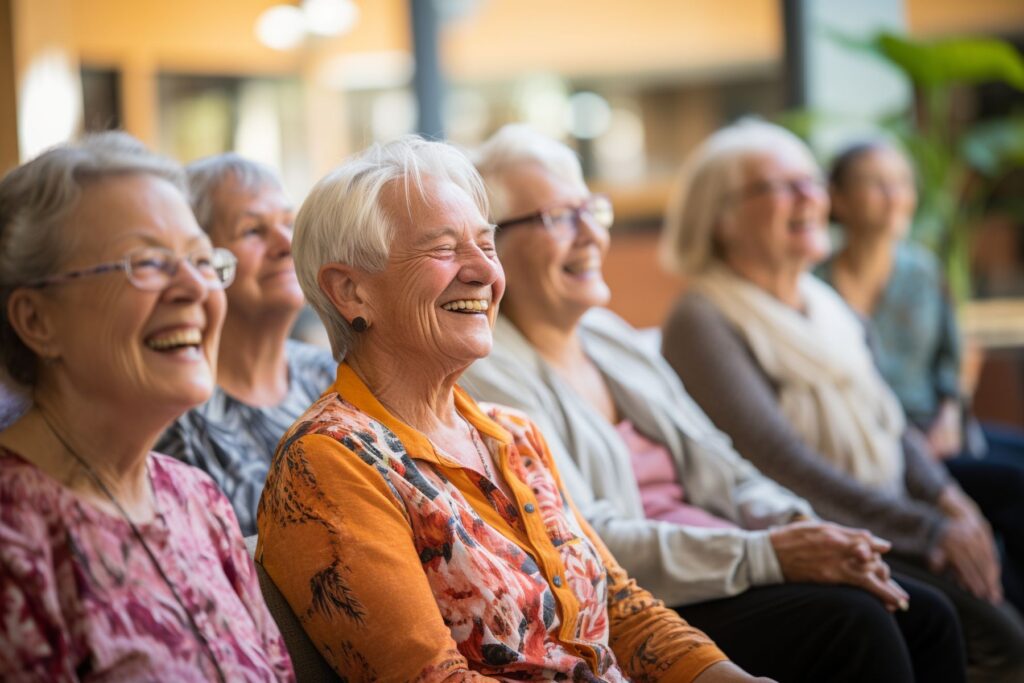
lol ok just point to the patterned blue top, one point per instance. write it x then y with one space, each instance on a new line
915 336
234 442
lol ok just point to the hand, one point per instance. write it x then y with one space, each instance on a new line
945 436
727 672
822 552
967 547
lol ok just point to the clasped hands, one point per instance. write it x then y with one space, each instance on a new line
823 552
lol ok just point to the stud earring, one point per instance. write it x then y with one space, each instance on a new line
359 324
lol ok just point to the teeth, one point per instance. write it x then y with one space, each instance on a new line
583 266
467 305
185 337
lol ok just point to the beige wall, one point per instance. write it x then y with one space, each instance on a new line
932 18
8 92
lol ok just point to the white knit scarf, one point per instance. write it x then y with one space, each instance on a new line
828 386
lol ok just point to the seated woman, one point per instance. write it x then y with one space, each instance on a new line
898 286
780 363
264 379
116 563
417 535
689 518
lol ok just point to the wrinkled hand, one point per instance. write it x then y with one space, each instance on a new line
945 436
967 547
822 552
727 672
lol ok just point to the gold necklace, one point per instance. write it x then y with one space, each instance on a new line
474 436
94 475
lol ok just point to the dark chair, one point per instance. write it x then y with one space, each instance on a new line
310 666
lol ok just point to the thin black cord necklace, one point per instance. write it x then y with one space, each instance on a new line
142 541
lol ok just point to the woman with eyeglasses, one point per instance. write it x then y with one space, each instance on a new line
264 379
116 563
734 553
898 285
782 365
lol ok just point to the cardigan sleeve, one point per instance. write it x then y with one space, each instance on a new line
722 375
327 500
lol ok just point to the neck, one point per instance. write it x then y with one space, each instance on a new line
252 365
420 395
868 257
782 283
557 343
77 441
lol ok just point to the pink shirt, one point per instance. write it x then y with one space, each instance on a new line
661 491
82 600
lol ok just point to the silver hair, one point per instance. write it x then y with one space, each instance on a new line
345 220
708 175
206 175
35 200
517 144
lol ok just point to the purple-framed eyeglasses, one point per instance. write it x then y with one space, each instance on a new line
563 222
151 268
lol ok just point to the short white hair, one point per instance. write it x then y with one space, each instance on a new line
343 220
709 174
207 174
517 144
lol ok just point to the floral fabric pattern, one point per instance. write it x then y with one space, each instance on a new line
82 600
404 565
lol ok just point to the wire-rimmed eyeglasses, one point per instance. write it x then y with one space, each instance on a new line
563 222
151 268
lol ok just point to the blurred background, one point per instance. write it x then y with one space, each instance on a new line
632 86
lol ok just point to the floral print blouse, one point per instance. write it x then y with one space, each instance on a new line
81 599
402 564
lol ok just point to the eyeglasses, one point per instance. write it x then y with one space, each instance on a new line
779 187
563 222
151 268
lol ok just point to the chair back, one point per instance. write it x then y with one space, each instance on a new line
309 664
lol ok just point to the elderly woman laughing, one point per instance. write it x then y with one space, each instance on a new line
417 535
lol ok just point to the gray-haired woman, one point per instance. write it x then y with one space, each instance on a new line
782 365
264 379
116 563
417 535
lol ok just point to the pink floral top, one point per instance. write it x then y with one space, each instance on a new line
81 599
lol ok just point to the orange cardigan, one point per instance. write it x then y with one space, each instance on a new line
402 564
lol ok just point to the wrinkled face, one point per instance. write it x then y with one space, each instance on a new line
151 352
775 219
550 279
436 300
877 196
257 228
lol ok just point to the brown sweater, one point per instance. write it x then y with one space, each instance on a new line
723 376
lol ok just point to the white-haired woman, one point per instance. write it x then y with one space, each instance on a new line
264 379
689 518
781 364
417 535
116 563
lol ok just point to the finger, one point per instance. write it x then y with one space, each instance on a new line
970 575
891 596
880 545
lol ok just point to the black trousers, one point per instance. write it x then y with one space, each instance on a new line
994 635
813 632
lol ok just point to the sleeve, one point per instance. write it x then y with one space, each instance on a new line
35 643
721 374
925 478
241 572
650 641
946 364
325 499
680 564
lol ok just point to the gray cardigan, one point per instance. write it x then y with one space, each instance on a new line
725 379
679 564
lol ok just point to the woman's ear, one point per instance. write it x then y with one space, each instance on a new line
33 321
342 284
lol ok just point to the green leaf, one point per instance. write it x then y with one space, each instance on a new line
953 61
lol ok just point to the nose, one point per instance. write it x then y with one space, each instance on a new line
479 267
280 241
588 229
187 283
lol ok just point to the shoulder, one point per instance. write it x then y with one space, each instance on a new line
310 360
182 480
29 502
914 260
695 315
